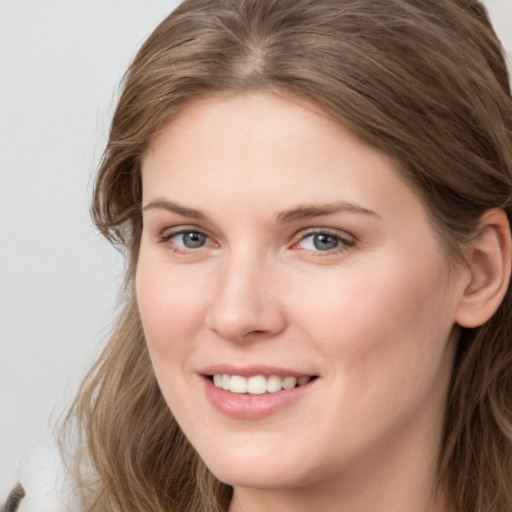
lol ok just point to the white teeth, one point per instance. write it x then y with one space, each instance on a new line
289 382
274 384
238 384
258 384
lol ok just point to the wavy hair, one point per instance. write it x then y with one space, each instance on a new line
424 81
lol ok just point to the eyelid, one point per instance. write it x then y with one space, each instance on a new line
170 231
346 240
167 234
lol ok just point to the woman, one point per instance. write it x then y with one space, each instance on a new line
314 199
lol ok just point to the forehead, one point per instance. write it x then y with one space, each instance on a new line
259 148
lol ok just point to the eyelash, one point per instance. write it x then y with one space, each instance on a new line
344 243
166 240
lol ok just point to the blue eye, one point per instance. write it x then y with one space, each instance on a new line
323 242
188 239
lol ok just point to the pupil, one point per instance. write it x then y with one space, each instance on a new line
325 242
192 240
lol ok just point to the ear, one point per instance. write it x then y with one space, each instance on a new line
488 259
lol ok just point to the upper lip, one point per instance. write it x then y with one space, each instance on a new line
251 370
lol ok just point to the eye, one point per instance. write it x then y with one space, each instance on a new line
324 241
187 239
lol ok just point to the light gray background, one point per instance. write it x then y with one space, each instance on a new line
60 63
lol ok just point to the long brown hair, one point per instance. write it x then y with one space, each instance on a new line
425 81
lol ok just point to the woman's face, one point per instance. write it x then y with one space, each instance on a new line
278 249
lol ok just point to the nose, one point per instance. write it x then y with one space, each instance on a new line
245 302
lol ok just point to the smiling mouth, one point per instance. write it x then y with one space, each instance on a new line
258 384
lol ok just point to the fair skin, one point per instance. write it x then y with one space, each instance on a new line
275 243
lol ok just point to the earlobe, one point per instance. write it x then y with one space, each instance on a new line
489 261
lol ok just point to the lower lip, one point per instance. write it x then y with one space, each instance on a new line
251 407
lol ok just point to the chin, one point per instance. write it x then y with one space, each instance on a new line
258 468
264 478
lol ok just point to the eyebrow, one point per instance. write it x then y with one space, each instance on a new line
301 212
311 211
170 206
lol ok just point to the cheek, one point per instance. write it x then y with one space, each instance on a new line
384 336
390 323
171 310
171 305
